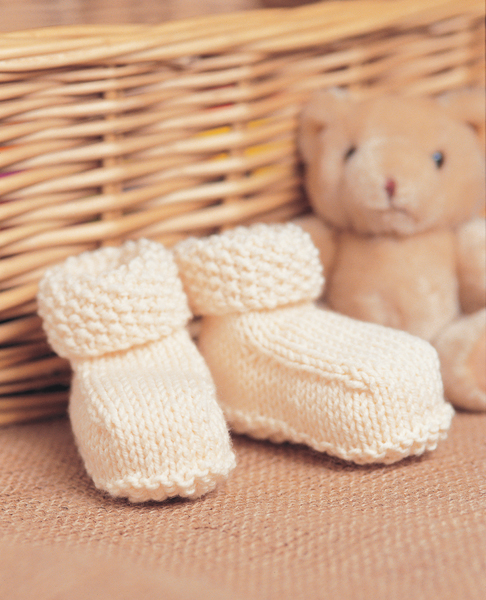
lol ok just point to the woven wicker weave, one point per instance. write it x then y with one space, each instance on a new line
184 128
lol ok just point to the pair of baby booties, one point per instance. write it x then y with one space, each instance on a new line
150 409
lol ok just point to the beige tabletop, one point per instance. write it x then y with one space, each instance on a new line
289 524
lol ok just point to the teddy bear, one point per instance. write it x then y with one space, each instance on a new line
397 189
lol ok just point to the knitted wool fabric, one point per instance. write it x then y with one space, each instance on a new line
142 404
286 370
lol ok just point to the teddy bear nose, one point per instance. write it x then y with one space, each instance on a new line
390 187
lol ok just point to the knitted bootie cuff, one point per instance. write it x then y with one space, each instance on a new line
249 268
112 299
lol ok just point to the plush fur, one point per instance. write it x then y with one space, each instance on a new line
397 187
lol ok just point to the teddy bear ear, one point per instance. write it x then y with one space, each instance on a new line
468 106
322 108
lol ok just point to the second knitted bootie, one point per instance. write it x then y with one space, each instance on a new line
286 370
142 406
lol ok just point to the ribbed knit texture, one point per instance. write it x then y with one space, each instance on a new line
249 268
142 405
355 390
112 299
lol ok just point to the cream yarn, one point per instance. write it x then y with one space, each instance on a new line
250 268
142 405
287 370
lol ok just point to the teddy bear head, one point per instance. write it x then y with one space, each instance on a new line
390 165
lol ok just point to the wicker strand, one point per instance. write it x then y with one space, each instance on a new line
183 128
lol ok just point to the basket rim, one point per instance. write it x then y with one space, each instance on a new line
263 30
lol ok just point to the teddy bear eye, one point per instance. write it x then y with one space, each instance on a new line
350 152
438 158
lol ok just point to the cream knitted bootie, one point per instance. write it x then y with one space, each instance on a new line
287 370
142 405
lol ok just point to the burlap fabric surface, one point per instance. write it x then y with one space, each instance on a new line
289 524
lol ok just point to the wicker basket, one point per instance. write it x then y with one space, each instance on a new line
185 128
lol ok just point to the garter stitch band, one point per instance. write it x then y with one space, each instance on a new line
142 405
286 370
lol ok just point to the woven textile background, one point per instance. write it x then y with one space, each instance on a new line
290 524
